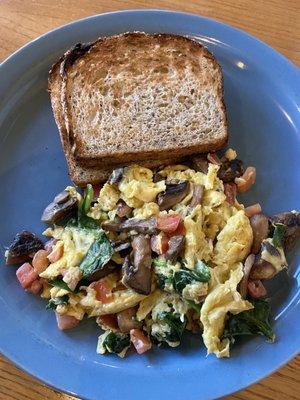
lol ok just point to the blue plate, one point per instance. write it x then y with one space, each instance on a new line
262 98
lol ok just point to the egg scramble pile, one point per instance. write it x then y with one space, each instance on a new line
153 255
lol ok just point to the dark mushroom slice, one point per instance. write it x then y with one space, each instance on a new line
200 163
266 269
146 226
63 207
175 247
198 192
260 227
137 276
174 194
116 176
229 170
120 245
123 209
291 220
243 286
127 320
22 248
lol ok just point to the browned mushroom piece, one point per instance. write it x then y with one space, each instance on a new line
116 176
63 206
263 269
291 220
200 163
229 170
246 269
137 275
260 227
127 320
22 248
104 271
198 192
133 224
174 194
175 247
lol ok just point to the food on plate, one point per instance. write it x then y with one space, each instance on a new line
157 99
158 252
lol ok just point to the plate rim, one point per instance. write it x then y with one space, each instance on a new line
36 42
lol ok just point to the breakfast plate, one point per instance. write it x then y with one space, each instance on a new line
262 103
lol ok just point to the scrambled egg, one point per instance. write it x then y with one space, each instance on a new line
223 298
76 243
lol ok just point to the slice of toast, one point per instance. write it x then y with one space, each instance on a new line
139 96
80 175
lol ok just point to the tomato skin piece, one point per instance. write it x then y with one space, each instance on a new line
168 223
108 320
256 289
180 231
35 287
56 253
140 341
26 275
103 293
65 322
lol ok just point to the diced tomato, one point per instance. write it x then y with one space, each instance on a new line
256 289
230 192
65 322
96 189
140 341
180 231
253 210
246 180
168 223
108 321
213 159
103 293
160 244
40 261
56 253
26 275
48 246
35 287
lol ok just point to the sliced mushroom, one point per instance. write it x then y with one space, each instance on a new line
123 209
268 262
247 268
262 269
175 247
63 206
198 192
138 275
291 220
121 245
139 225
174 193
127 320
260 227
230 170
200 163
23 247
116 176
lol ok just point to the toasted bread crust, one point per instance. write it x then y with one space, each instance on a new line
83 155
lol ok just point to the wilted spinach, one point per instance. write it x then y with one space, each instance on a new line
58 301
185 277
116 342
97 256
175 327
250 322
278 235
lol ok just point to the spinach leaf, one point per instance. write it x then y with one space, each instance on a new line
176 327
115 342
60 284
159 262
250 322
184 277
53 303
97 256
88 198
278 235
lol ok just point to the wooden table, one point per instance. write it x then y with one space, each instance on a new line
277 22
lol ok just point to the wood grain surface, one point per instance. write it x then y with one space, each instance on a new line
277 22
